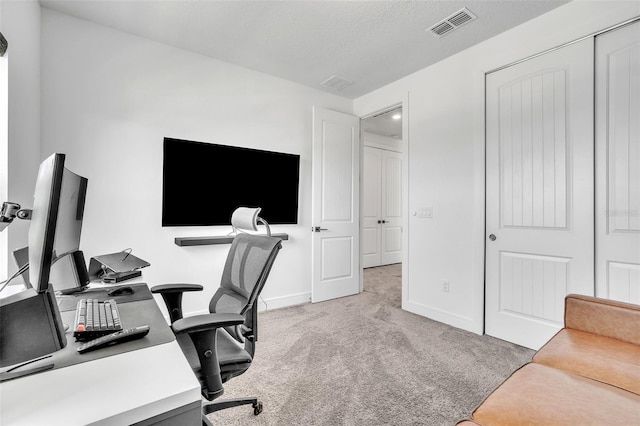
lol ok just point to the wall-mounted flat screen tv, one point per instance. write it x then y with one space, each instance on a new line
203 183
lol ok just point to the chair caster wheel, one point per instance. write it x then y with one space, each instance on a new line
257 408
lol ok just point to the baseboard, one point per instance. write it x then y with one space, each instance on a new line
435 314
283 301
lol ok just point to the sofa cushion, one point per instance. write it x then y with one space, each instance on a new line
597 357
540 395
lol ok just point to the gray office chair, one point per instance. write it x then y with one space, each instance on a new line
221 345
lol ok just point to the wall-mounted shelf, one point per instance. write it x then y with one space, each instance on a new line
218 239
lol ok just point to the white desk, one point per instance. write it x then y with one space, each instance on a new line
147 385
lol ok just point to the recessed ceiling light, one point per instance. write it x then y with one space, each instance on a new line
396 116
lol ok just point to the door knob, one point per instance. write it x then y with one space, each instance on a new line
492 237
318 229
379 221
384 221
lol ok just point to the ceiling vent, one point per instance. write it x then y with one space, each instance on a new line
337 83
453 22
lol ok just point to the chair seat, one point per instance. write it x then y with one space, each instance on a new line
232 357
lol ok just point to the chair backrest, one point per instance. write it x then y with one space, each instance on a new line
245 272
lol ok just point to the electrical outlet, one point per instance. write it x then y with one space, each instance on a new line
445 286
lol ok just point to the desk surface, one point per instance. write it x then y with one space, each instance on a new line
135 386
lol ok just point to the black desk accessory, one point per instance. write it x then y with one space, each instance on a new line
116 277
123 290
115 263
114 338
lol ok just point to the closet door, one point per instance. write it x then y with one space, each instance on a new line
391 241
539 195
618 164
371 206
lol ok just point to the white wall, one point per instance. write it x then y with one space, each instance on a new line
19 159
109 99
446 156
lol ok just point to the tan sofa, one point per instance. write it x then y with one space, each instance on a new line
587 374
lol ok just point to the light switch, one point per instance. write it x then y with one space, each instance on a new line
426 213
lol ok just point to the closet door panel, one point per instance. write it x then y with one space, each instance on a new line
539 192
618 164
371 206
391 244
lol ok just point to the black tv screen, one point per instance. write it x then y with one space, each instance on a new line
203 183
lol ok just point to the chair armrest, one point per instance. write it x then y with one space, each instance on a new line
172 296
175 288
203 329
604 317
206 322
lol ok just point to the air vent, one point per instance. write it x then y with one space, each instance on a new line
442 28
337 83
453 22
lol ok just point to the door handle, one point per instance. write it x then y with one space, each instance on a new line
384 221
318 229
492 237
379 221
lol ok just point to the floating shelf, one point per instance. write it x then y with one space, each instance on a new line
220 239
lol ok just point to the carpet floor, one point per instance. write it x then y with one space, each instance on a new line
362 360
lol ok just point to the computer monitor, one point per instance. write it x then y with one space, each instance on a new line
56 224
30 321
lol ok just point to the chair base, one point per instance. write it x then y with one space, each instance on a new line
228 403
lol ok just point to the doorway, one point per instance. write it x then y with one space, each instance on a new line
382 193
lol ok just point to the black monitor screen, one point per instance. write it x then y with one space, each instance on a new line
45 214
204 183
56 223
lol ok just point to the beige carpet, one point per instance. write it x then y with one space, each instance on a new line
361 360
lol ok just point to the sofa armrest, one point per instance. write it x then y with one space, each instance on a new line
603 317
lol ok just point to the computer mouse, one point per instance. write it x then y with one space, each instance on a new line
120 291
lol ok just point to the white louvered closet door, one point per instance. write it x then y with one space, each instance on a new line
381 207
371 206
618 164
540 219
391 238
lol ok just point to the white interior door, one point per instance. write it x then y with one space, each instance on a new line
539 215
391 235
618 164
335 205
371 206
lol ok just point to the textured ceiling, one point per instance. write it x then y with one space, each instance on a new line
371 43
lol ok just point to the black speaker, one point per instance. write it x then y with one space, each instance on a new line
30 326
